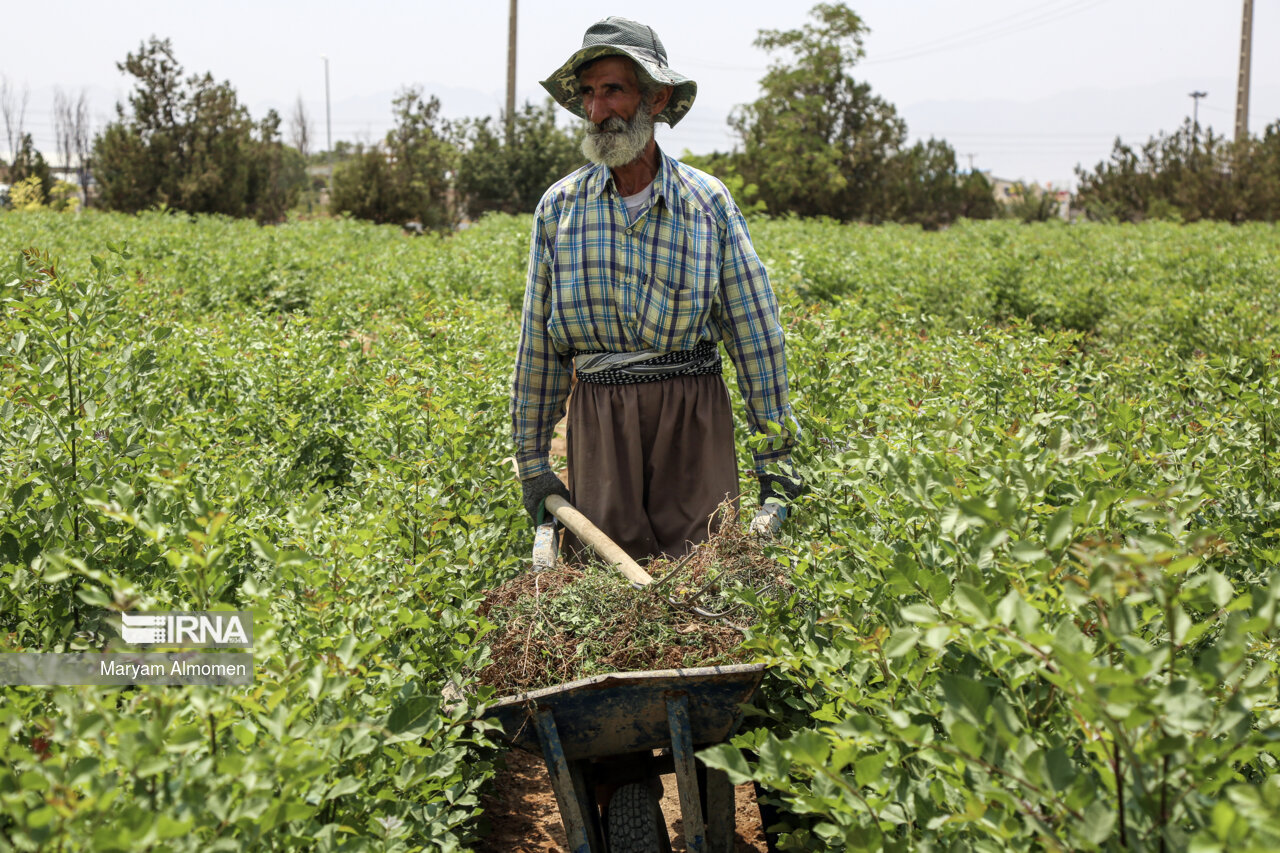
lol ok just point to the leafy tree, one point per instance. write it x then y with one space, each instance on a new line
189 144
277 172
363 186
725 167
920 184
494 174
26 195
978 197
29 163
817 141
1186 176
1029 203
407 178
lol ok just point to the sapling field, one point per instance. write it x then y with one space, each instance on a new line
1032 600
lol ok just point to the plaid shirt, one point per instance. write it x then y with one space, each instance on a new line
683 271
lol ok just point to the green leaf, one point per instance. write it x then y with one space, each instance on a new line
869 769
1099 822
900 642
967 738
94 597
413 716
1220 589
729 759
918 613
809 747
967 697
1014 611
1058 530
1061 772
1026 552
342 787
41 817
937 637
168 827
971 602
284 811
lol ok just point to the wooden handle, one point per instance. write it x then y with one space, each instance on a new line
595 537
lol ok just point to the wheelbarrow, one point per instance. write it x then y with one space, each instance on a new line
598 735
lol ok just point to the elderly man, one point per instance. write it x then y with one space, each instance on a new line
640 266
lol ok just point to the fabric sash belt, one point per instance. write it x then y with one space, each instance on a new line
628 368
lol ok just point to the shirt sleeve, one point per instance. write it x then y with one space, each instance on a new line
542 376
752 334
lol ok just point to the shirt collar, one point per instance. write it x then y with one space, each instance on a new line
668 185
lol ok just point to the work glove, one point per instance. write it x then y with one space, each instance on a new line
537 490
780 484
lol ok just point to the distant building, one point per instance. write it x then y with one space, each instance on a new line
1008 191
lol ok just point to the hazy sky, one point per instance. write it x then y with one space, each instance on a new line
1029 88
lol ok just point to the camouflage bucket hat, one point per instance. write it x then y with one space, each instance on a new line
616 36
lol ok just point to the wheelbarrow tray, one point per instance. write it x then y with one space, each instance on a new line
626 712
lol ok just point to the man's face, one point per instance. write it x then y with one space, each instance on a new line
619 122
609 88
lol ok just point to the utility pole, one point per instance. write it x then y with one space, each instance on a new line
1242 87
511 74
328 124
1195 111
970 156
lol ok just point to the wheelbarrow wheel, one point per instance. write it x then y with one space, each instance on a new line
635 819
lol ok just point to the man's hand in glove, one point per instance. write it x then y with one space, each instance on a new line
779 486
538 489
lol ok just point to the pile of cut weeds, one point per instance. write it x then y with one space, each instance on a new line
574 622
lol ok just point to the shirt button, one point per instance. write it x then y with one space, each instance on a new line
629 230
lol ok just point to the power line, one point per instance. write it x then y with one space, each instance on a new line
1051 17
981 29
991 28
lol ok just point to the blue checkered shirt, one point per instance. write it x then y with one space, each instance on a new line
682 271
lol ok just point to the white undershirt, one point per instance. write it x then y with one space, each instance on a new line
637 201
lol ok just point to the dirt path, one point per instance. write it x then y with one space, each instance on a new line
521 810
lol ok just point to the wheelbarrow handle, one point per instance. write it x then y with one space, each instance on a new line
589 534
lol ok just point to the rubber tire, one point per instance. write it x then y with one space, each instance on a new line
636 824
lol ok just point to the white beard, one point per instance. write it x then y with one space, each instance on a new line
615 142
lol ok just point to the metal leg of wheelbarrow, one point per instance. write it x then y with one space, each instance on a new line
705 831
577 807
715 833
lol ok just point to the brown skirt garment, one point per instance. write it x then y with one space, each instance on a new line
650 462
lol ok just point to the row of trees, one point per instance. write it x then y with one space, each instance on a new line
188 143
817 142
1188 175
433 172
